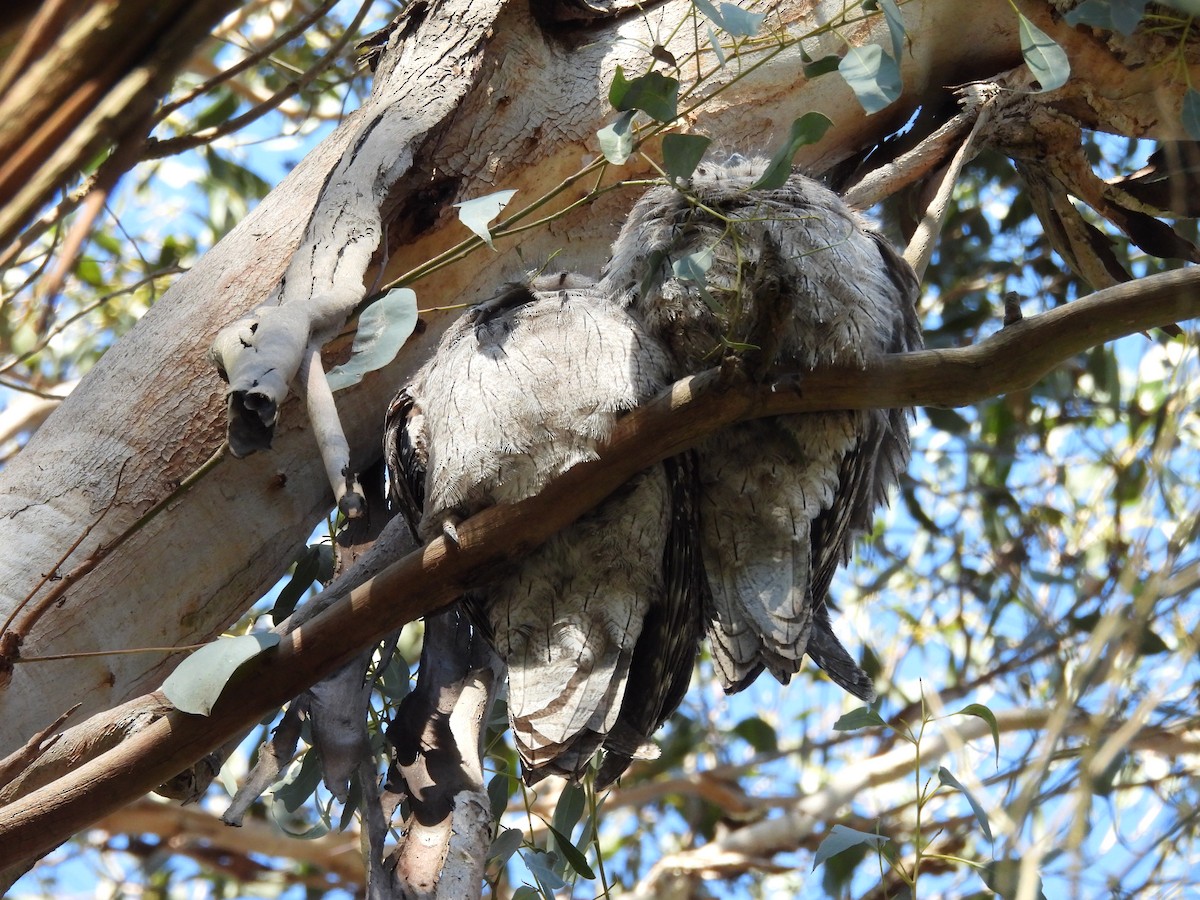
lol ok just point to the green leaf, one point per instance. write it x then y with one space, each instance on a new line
292 792
733 19
198 681
88 271
655 94
315 563
822 66
682 153
541 865
220 110
572 854
949 780
947 420
498 790
1118 15
982 712
693 267
478 212
872 75
895 24
285 821
568 812
758 734
716 45
842 838
616 140
1045 58
393 683
507 842
1003 877
808 129
738 22
1191 113
863 717
383 328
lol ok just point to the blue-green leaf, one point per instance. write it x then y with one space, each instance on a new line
616 140
949 780
1191 113
542 866
292 792
478 212
872 75
863 717
572 854
568 812
716 45
758 734
981 711
315 563
1113 15
682 153
732 18
507 842
693 267
738 22
808 129
655 94
842 838
383 328
1045 58
198 681
895 24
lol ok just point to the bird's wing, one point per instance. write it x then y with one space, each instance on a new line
665 654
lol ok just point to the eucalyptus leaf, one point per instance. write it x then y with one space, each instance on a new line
198 681
1191 113
682 153
285 821
655 94
872 75
808 129
1116 15
478 213
574 857
863 717
895 24
383 328
507 842
740 23
981 711
1045 58
949 780
616 139
842 838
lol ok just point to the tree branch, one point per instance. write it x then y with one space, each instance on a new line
425 580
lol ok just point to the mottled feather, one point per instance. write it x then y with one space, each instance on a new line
792 279
521 388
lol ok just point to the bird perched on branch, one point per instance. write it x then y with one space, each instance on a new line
784 278
599 628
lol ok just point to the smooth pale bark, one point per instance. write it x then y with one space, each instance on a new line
152 410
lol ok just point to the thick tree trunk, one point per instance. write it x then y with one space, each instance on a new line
520 110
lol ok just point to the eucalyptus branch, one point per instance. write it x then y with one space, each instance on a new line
429 578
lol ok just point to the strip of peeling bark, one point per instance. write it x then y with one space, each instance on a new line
427 579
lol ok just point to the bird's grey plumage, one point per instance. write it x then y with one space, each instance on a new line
521 388
792 278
